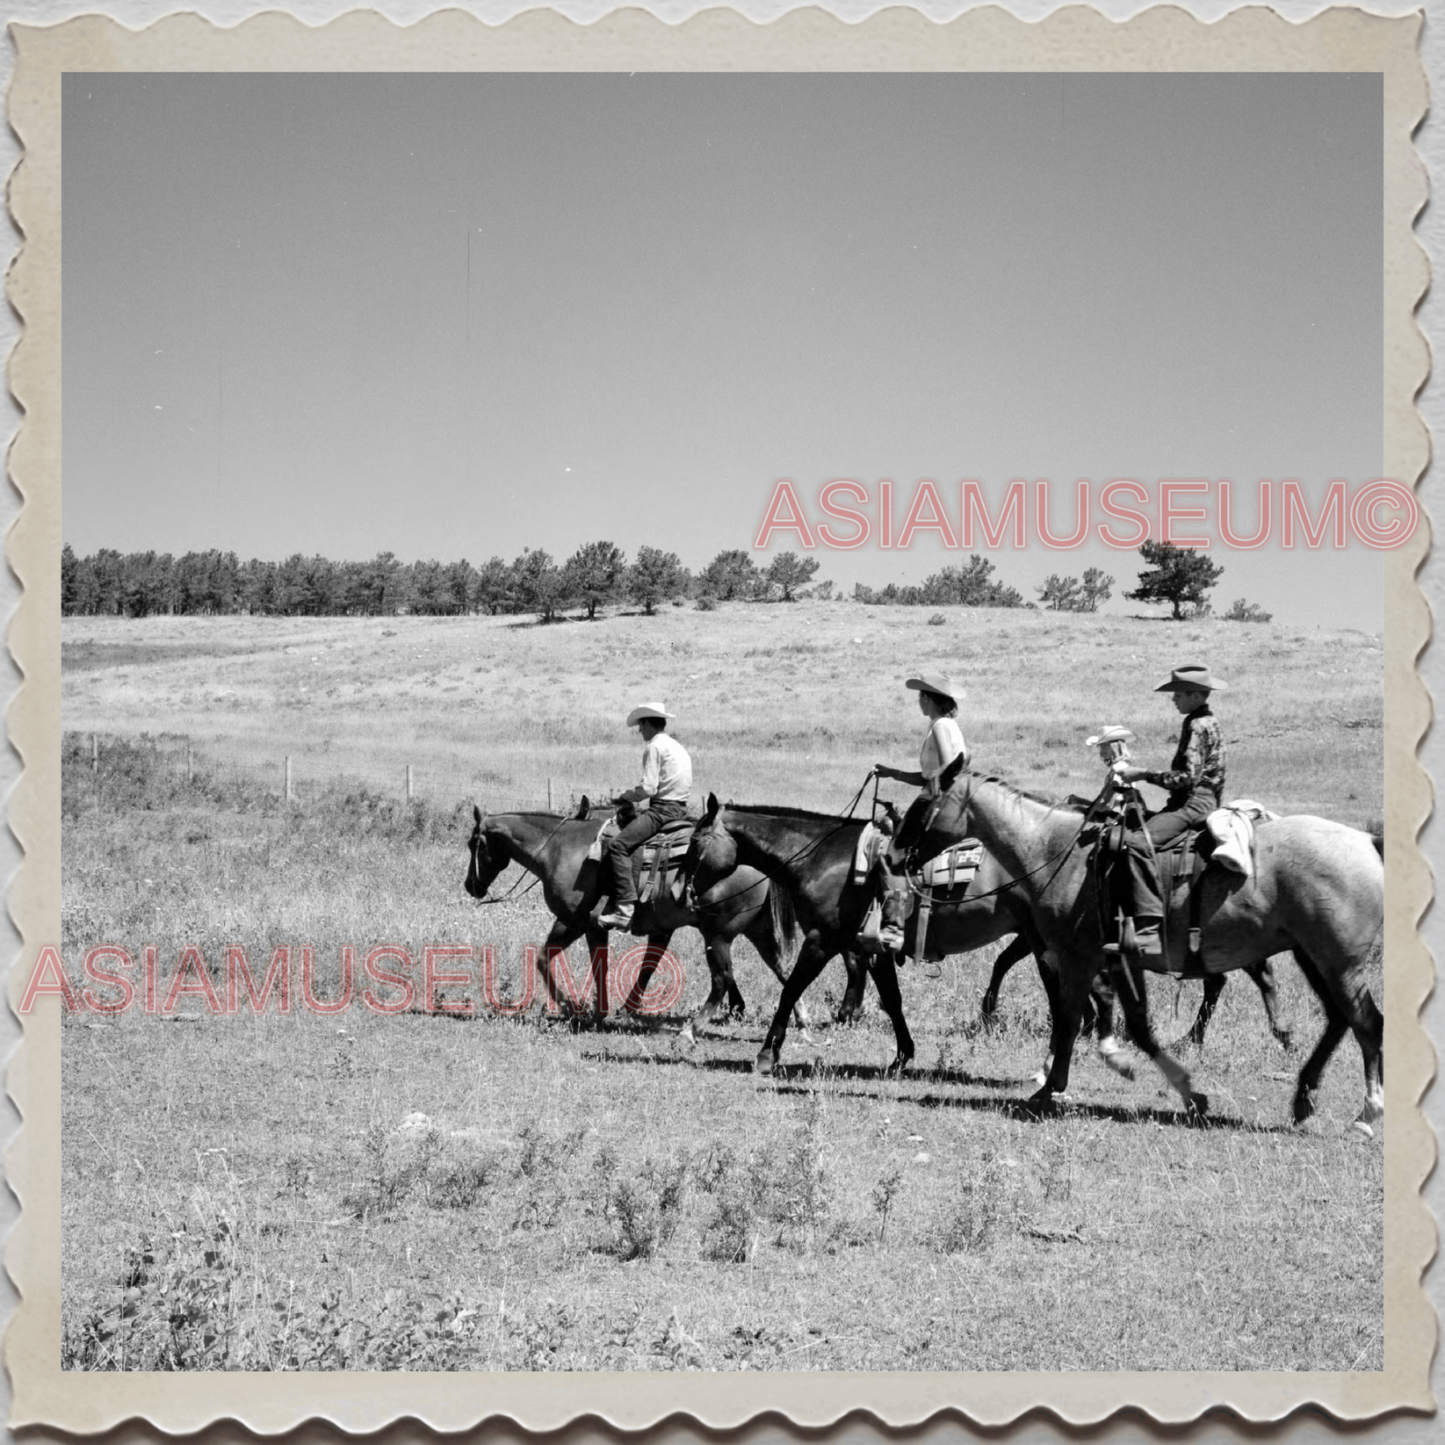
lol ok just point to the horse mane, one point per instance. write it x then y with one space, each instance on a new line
779 810
1049 800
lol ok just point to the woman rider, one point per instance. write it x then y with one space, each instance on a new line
943 756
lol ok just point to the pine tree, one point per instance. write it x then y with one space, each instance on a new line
1176 575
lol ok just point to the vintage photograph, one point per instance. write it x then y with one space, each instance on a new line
602 615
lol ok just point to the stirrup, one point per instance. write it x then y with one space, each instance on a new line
1148 939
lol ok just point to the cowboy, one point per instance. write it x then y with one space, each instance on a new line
943 756
1195 783
659 799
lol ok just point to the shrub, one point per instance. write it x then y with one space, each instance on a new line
1242 611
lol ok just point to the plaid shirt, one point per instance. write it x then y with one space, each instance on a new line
1198 765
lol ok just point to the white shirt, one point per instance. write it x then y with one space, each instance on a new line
666 770
942 745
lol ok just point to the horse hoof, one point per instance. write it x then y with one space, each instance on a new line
767 1061
1040 1103
1304 1106
1198 1107
899 1064
686 1034
1364 1128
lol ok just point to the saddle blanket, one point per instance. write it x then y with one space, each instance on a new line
1232 828
954 867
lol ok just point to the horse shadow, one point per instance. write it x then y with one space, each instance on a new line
802 1080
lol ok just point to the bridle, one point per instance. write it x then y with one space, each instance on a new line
478 838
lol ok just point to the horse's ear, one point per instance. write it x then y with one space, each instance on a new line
476 815
712 807
584 808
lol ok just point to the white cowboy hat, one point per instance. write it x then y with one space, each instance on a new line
938 682
1192 678
1113 734
648 709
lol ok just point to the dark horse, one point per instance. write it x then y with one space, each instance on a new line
810 855
555 850
1318 890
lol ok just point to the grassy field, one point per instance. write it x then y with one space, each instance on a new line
425 1191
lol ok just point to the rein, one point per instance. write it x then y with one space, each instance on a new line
1058 857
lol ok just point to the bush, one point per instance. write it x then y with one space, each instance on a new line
1242 611
937 620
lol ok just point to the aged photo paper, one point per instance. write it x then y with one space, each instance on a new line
416 1209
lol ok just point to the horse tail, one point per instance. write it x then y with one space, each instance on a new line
784 918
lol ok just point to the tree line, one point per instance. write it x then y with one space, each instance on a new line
597 574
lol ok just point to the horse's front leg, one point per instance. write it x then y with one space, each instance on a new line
1101 996
652 953
1263 975
885 976
597 953
565 932
763 937
811 959
1133 994
857 972
1066 993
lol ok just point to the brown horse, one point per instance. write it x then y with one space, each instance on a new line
555 850
810 856
1318 890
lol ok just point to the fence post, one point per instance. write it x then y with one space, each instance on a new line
549 795
289 794
188 764
95 752
408 782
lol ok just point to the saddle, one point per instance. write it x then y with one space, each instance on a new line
1179 865
942 879
657 865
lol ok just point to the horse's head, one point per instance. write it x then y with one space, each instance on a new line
487 856
713 852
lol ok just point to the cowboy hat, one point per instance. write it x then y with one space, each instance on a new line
1192 678
938 682
1114 734
648 709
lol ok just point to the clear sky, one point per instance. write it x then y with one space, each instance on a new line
459 315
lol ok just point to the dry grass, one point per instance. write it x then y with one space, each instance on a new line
248 1193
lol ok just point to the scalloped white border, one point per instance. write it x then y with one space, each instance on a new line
989 38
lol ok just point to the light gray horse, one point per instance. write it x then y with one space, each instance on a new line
1318 889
